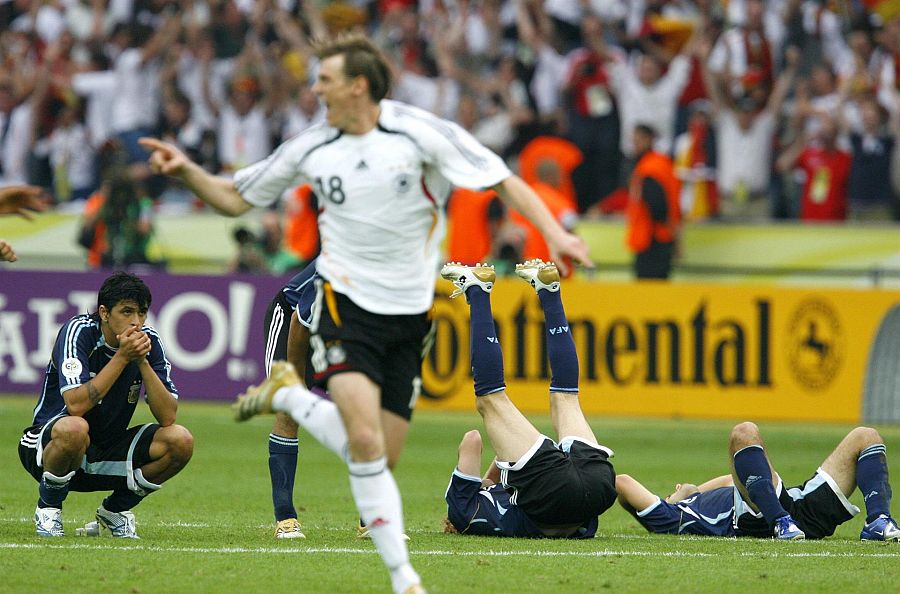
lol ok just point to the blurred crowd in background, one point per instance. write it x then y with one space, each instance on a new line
784 109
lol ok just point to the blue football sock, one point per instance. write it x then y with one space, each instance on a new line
560 346
872 480
122 500
487 356
752 469
54 489
283 469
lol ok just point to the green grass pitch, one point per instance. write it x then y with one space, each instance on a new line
210 528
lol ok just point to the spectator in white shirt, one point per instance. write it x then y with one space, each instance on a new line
751 48
744 137
72 157
536 31
648 96
243 135
135 104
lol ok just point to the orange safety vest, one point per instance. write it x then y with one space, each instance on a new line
469 235
642 229
301 229
566 154
98 246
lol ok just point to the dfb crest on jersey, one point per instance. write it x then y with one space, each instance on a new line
403 183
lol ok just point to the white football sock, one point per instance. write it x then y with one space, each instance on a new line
378 501
318 416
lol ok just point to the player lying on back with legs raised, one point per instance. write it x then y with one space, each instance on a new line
535 487
753 501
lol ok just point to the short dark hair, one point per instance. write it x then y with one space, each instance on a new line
361 58
122 286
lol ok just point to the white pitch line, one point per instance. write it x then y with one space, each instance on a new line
438 553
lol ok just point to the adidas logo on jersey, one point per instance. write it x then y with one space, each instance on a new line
492 339
559 330
361 165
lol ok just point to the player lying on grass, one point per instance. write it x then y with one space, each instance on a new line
287 323
753 501
535 487
79 439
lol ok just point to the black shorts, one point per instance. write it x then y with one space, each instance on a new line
105 468
818 506
278 327
563 485
386 348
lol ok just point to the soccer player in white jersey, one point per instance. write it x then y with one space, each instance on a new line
382 171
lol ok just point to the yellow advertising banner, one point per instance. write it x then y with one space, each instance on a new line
676 350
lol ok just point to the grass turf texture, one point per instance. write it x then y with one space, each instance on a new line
210 528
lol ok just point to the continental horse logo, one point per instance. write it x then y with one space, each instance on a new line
815 344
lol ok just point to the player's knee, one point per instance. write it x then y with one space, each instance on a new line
365 443
179 443
471 444
472 439
866 436
71 434
745 433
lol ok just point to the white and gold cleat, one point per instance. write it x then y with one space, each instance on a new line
363 532
288 528
539 274
257 400
481 275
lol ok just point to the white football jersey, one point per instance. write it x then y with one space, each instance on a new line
381 198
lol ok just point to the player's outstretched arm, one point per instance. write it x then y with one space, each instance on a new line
516 194
632 495
21 200
726 480
218 192
685 490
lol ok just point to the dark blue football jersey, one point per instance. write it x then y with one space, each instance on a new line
706 514
300 292
79 354
473 509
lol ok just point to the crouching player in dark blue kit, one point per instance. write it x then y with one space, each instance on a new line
535 487
753 501
79 439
